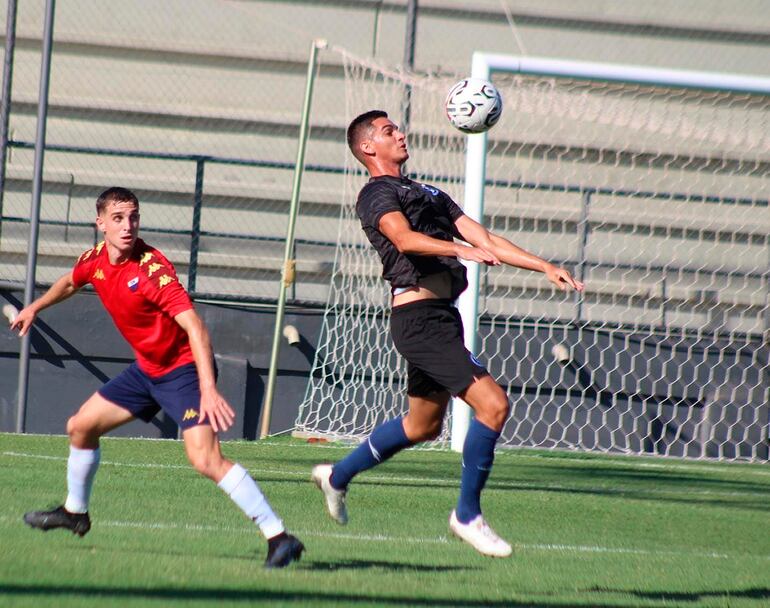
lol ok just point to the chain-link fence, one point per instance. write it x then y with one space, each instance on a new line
194 104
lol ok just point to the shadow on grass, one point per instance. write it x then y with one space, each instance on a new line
321 566
44 592
365 564
754 593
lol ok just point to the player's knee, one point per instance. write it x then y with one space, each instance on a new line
205 462
496 413
78 429
428 431
433 431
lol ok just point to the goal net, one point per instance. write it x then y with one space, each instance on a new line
653 195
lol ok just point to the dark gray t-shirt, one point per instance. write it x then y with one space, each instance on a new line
429 211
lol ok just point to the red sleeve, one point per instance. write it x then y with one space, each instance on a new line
81 272
162 287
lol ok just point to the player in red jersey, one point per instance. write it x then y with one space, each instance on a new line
174 371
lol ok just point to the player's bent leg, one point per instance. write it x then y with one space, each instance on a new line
422 423
94 418
425 418
203 451
491 407
489 402
201 445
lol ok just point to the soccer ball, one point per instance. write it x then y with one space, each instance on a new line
473 105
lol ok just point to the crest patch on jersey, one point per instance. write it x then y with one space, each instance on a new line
133 284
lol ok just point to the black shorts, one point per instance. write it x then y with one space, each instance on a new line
429 335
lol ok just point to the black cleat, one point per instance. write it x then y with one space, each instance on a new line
77 523
282 550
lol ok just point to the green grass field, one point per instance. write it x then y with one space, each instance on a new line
587 531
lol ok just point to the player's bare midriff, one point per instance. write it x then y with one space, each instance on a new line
433 287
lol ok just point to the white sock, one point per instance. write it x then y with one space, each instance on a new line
81 468
245 492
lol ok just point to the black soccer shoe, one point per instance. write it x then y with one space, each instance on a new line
77 523
282 550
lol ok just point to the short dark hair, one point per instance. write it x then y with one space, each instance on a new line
116 194
360 126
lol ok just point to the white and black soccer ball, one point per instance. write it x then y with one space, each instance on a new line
473 105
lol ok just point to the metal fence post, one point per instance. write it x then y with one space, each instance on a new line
34 219
409 43
195 233
289 263
584 229
5 104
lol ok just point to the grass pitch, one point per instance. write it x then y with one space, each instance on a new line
587 531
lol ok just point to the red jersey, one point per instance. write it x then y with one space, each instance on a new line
142 295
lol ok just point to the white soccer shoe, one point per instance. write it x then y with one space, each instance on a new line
480 536
335 499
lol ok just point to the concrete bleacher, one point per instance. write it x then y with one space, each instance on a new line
226 79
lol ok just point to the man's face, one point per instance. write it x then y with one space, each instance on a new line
120 224
386 141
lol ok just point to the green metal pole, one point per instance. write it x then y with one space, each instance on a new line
289 263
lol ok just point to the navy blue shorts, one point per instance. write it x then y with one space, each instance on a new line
177 393
429 335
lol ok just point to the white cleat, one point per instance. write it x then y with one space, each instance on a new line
335 499
480 536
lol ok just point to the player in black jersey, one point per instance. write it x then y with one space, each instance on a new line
413 227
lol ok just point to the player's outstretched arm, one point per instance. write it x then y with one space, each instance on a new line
213 406
62 289
508 253
397 229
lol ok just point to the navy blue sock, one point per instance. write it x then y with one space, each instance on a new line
386 440
478 455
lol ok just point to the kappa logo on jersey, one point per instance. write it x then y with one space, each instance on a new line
431 189
153 268
99 274
189 414
146 257
133 283
164 280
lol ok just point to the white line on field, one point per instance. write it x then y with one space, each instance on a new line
495 485
441 540
623 461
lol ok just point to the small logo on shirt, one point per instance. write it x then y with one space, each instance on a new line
189 415
476 361
99 274
133 283
431 189
164 280
146 257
